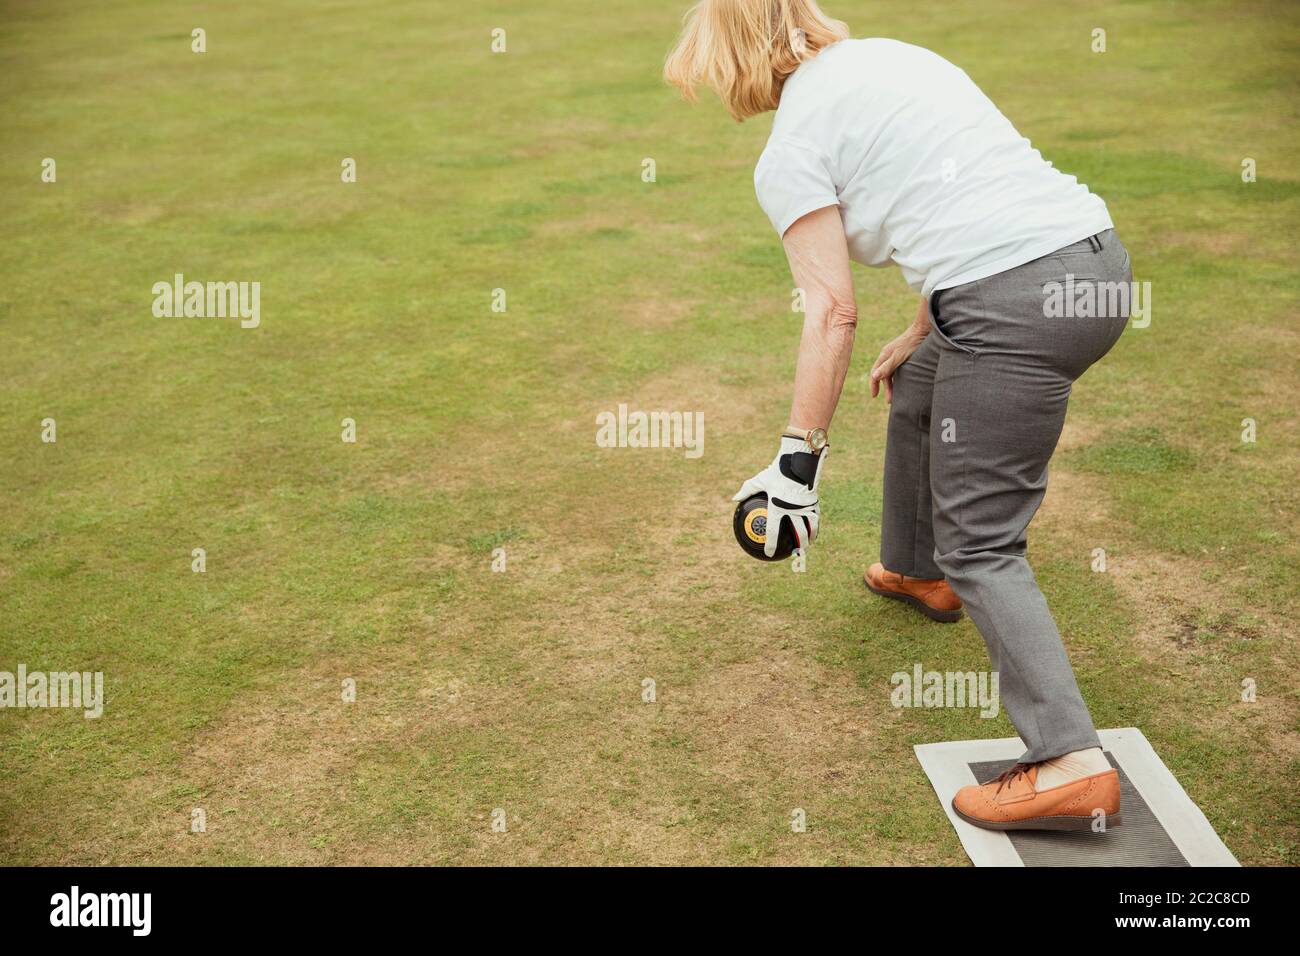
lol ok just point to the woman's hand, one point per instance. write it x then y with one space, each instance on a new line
898 351
790 484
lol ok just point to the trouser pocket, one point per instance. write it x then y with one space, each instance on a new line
937 323
1087 303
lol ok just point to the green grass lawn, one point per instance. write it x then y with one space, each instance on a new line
371 561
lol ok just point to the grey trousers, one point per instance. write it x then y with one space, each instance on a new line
977 412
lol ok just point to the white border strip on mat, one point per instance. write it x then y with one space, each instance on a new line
946 764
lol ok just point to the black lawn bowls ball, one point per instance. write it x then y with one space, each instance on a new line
750 525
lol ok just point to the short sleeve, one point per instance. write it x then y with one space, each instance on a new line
792 180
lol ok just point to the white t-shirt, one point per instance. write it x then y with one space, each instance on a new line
926 171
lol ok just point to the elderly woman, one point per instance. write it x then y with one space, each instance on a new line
885 153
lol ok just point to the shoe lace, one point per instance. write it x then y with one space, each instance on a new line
1009 776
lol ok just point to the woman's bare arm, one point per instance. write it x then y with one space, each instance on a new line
819 262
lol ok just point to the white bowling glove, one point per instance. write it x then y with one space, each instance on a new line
790 484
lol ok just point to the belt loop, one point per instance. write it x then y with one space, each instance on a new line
1095 242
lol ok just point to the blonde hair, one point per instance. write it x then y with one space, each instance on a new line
745 49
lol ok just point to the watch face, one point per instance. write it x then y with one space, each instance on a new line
817 438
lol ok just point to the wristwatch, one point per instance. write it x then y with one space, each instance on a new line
815 437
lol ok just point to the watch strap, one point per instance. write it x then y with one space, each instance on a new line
805 436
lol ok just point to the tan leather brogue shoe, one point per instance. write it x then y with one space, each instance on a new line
1011 801
932 597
